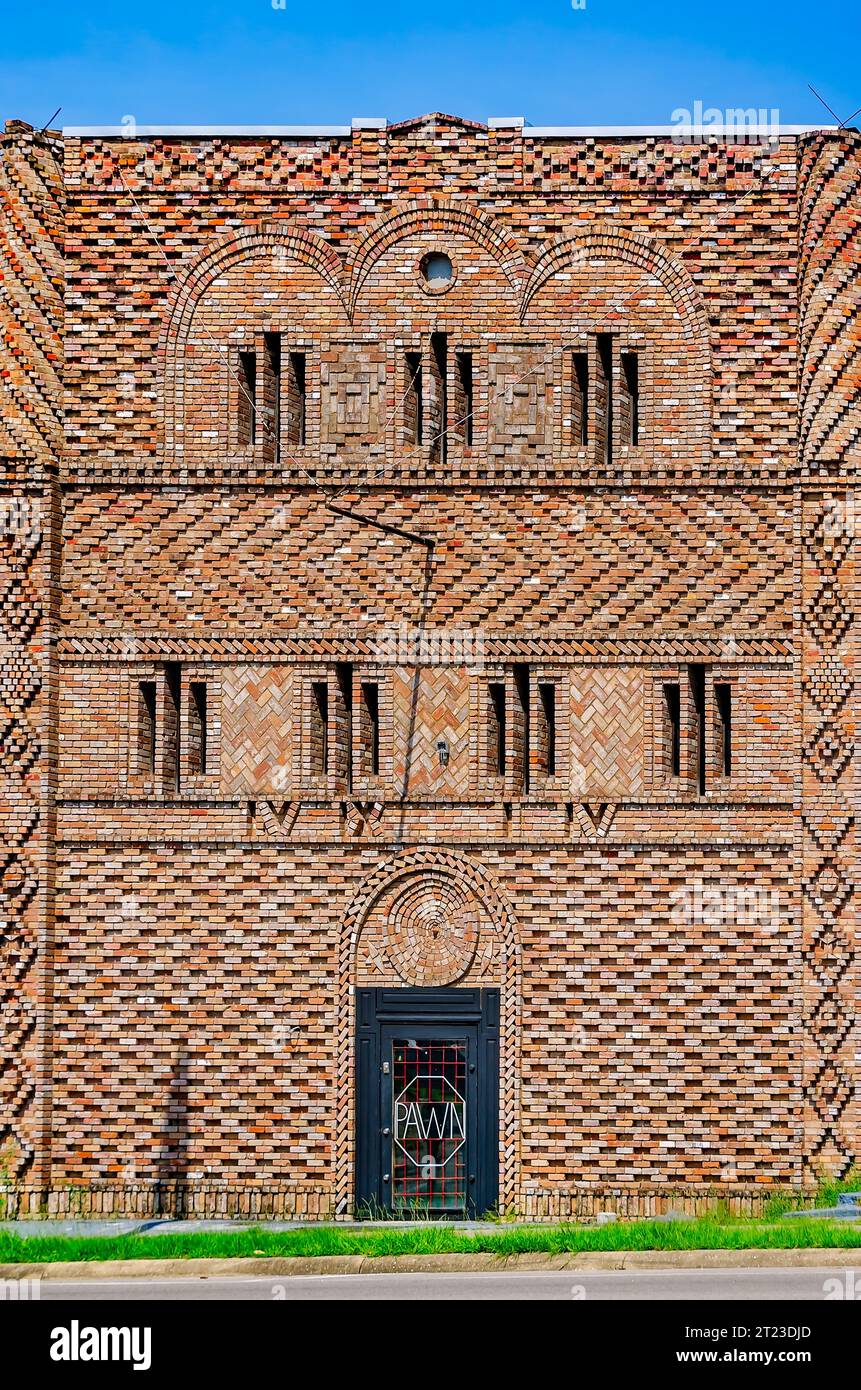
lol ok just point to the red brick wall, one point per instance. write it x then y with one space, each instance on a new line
31 348
677 1001
829 455
721 220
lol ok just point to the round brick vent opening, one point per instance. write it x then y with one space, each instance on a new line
437 272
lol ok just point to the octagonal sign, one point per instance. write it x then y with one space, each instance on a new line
419 1121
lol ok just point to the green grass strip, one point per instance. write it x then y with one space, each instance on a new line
703 1234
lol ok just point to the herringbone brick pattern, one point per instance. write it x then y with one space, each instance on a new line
608 711
432 705
534 560
258 713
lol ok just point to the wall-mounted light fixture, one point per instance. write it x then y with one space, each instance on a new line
442 752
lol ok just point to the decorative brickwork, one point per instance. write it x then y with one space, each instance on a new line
528 561
829 725
427 562
464 903
830 448
829 335
31 274
432 933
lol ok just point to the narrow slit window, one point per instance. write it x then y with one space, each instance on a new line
723 706
631 382
580 399
438 406
271 414
319 731
413 404
146 728
521 731
344 722
464 399
197 729
247 404
672 729
547 728
697 679
173 689
297 398
370 728
604 403
496 729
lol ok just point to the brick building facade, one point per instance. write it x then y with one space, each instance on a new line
426 585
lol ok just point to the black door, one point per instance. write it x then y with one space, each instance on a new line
427 1101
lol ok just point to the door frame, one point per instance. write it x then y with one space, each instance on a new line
475 1010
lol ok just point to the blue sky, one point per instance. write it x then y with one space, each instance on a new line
248 62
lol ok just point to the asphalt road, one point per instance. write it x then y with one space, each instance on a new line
743 1285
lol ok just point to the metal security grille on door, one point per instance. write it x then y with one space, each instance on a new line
427 1101
429 1125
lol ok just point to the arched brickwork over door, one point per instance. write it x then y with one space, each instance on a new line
429 917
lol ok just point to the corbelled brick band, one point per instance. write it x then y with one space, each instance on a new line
363 629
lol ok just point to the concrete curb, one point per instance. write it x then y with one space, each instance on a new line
281 1267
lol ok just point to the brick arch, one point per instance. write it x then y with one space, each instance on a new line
643 252
448 219
466 873
218 256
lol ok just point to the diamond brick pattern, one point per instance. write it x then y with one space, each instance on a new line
826 613
31 309
829 750
828 685
829 842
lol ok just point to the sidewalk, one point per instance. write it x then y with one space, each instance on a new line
281 1266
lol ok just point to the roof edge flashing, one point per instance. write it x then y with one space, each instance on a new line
684 134
207 132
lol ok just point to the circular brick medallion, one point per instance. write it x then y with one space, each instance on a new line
432 932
